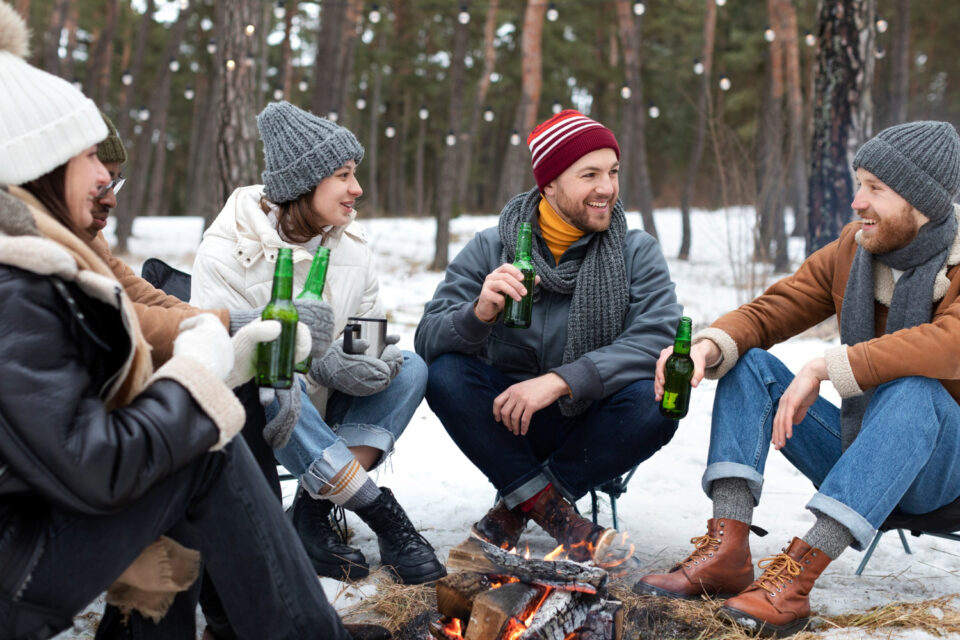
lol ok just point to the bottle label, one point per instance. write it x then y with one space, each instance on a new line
669 400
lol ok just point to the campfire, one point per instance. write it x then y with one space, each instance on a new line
500 595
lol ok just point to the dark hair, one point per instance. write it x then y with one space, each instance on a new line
296 219
50 190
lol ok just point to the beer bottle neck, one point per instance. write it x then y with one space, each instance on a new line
681 346
283 276
313 289
524 241
681 343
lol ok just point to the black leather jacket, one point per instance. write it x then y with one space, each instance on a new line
60 449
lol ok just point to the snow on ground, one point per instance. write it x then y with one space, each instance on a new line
664 506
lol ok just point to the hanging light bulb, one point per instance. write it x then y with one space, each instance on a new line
768 34
698 66
809 38
194 66
189 93
333 116
514 138
361 102
212 46
557 107
552 13
879 53
390 131
720 3
184 5
451 138
374 14
464 16
278 94
423 113
231 64
725 83
639 8
488 114
206 24
137 129
881 25
249 29
278 10
143 114
249 60
302 86
174 65
654 111
127 78
77 84
625 92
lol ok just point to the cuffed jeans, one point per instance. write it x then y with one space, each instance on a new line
576 454
906 455
319 448
220 505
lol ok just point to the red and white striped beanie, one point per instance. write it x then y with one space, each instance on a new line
562 140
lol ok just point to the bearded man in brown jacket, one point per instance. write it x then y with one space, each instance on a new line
892 279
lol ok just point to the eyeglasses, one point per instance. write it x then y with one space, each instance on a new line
115 184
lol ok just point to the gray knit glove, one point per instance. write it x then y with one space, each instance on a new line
355 374
277 432
392 355
317 315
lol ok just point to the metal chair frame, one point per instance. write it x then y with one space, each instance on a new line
903 540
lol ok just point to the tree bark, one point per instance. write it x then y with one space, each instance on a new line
51 38
840 87
66 65
373 188
797 157
514 171
327 66
143 30
900 80
447 180
703 105
348 43
97 83
634 148
286 51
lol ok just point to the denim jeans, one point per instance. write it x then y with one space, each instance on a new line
906 455
576 454
318 447
220 505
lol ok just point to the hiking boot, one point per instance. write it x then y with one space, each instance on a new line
777 603
327 551
501 526
580 537
367 632
401 547
720 565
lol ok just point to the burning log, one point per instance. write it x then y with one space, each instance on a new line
456 593
561 613
482 557
493 609
605 620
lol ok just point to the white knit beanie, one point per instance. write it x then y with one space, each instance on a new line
44 120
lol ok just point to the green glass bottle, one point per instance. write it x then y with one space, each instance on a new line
516 315
677 373
275 358
313 290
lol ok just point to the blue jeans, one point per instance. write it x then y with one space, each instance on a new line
319 447
575 454
906 455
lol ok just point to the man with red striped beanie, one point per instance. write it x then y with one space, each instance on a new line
554 410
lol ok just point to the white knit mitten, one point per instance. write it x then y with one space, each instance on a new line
204 338
245 343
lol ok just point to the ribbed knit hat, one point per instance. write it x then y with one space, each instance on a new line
920 161
300 150
44 120
111 148
562 140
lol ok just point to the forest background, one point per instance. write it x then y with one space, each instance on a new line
715 102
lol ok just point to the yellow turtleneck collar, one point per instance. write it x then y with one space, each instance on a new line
557 233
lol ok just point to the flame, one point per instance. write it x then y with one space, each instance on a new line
453 628
515 628
526 554
496 584
553 554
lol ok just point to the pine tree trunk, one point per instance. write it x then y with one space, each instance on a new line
840 87
349 39
286 67
797 158
703 105
372 150
97 83
900 81
327 67
770 138
143 29
51 38
419 169
66 65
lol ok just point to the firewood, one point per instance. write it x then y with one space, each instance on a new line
560 614
456 593
437 630
483 557
493 608
604 622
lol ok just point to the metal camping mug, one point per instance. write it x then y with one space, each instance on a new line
373 330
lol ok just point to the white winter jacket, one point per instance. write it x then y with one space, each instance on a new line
236 259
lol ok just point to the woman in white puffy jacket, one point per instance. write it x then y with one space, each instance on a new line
352 406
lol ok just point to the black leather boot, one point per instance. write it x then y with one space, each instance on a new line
329 554
401 547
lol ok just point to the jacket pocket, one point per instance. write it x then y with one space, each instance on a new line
510 358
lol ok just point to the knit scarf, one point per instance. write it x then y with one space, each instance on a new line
597 282
911 305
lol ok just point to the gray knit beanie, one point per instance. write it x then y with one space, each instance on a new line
300 150
920 161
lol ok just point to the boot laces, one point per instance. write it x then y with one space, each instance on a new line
777 571
705 545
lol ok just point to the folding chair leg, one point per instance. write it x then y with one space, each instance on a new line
903 540
594 504
866 556
613 510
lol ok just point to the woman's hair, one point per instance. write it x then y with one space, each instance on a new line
296 219
50 190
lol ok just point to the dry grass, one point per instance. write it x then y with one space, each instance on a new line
394 605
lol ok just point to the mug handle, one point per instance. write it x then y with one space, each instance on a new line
351 332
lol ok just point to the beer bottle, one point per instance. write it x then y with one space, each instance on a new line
313 290
516 315
677 373
275 358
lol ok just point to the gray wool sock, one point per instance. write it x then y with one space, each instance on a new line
829 536
732 500
351 488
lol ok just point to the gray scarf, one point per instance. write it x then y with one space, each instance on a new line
912 302
598 282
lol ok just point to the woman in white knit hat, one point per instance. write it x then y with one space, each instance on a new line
352 406
99 454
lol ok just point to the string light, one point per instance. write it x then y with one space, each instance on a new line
639 8
881 25
333 116
654 111
231 64
423 113
488 114
143 114
174 65
451 138
768 34
361 102
698 66
390 131
464 16
625 92
514 138
810 39
77 84
374 15
189 93
206 24
278 10
278 94
725 83
212 46
302 85
879 53
552 13
126 78
557 107
184 5
720 3
194 66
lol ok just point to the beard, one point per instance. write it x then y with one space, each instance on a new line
579 215
892 232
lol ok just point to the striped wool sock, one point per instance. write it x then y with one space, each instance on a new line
351 488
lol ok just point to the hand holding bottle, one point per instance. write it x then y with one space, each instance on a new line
505 280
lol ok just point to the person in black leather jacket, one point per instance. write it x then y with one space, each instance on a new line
110 472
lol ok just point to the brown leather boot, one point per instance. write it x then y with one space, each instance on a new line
778 603
579 536
719 566
501 526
